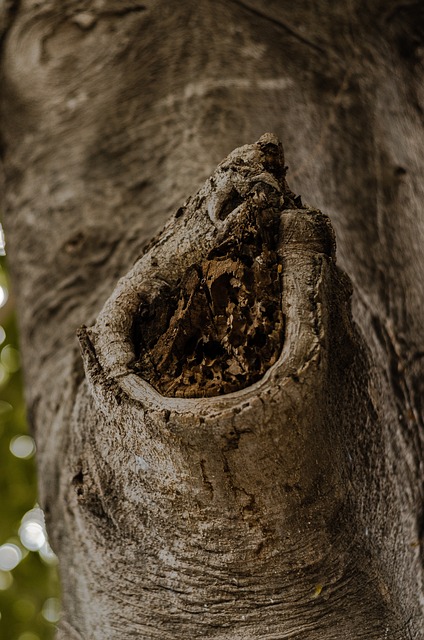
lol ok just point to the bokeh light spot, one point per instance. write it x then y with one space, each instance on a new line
5 407
4 374
6 580
22 447
51 610
3 296
2 335
28 636
10 556
32 535
32 531
24 610
48 555
2 242
10 358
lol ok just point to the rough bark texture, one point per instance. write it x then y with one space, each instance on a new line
292 507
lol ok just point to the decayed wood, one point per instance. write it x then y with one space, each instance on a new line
292 507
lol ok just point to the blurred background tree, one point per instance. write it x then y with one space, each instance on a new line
29 605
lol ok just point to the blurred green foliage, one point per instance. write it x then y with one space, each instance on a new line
29 591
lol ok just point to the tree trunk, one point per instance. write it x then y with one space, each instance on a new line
283 496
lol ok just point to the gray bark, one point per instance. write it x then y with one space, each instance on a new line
291 508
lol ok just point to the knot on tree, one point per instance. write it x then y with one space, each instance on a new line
222 326
202 312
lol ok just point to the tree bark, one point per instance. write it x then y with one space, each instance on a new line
291 507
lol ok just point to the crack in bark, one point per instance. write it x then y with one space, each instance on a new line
121 11
8 14
206 480
283 25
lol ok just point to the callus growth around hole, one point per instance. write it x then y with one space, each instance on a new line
200 313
